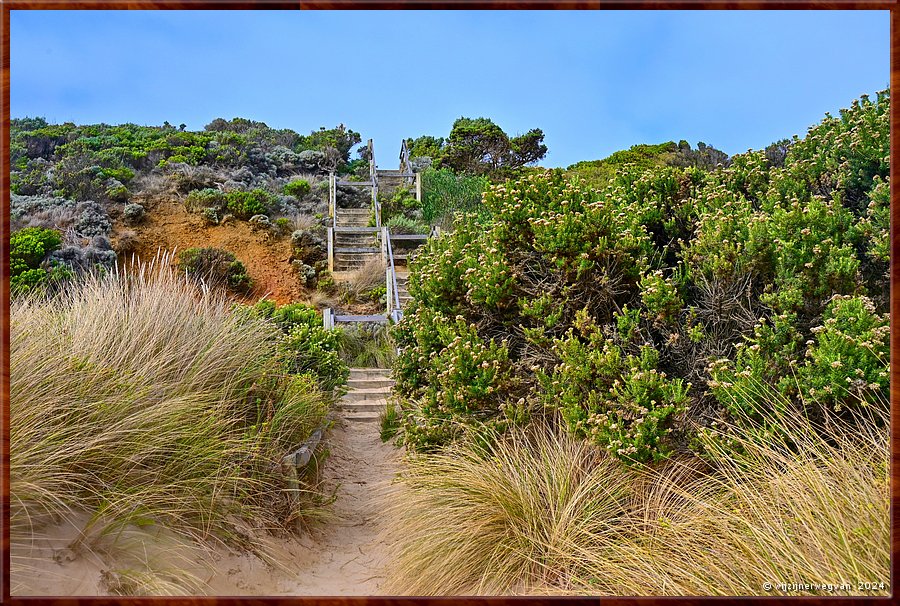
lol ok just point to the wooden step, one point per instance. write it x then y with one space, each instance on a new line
358 250
375 407
421 237
377 318
355 262
344 242
367 395
362 417
361 372
356 183
369 383
356 230
392 172
369 374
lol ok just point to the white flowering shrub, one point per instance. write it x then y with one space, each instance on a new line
675 296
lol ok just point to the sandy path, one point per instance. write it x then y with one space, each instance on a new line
351 556
344 555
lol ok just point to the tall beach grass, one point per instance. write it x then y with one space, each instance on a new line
540 512
143 401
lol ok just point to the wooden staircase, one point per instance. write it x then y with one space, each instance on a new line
367 396
353 241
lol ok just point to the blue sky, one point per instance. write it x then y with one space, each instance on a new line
595 82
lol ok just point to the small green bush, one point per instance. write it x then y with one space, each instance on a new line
298 188
241 204
30 245
216 266
283 225
400 224
205 198
133 213
246 204
306 347
445 192
210 214
27 249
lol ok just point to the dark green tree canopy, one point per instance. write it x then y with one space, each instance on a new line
339 138
426 145
479 146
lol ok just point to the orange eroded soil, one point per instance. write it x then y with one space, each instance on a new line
168 225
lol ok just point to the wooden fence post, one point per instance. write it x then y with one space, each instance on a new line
419 189
330 249
332 199
389 287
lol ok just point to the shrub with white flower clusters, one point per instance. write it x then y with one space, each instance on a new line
599 307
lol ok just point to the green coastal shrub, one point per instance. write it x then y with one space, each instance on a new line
246 204
27 250
844 367
241 204
216 266
205 198
619 401
445 193
297 188
305 345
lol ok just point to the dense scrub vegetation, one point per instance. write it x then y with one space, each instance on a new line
634 377
643 312
82 180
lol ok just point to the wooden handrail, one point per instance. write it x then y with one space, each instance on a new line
373 174
390 250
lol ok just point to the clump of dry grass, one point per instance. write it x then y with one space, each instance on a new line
357 283
144 401
498 518
539 512
367 346
303 222
805 506
320 300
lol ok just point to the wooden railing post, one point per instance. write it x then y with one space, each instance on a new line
375 204
419 189
332 199
388 289
331 249
383 237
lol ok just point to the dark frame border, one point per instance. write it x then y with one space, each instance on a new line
6 5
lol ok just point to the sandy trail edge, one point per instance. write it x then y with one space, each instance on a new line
342 556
